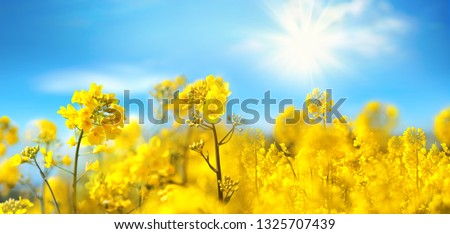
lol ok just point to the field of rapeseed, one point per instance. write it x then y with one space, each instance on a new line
207 166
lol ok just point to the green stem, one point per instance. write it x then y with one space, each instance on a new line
63 169
291 166
218 168
49 187
228 135
207 161
75 171
41 200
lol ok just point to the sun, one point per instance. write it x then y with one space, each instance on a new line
306 43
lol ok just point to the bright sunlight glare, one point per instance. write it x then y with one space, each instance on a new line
307 43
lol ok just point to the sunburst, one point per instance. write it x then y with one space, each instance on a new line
307 41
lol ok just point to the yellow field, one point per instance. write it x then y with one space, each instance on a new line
355 167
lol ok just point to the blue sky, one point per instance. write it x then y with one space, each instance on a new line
397 52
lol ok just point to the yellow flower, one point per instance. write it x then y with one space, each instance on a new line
77 97
9 176
114 122
4 120
97 136
49 162
167 88
48 158
213 109
2 149
413 137
99 149
100 117
66 160
11 136
15 161
129 136
12 206
8 134
70 114
72 142
84 120
442 126
110 191
27 154
47 131
95 90
92 166
207 97
318 103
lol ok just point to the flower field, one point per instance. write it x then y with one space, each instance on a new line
351 165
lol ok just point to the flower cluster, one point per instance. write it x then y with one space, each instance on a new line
319 103
8 134
28 154
167 88
46 131
206 99
12 206
99 118
442 126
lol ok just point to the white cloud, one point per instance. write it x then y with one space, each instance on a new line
314 35
392 25
249 45
116 79
352 8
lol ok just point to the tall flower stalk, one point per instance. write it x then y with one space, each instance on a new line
205 102
98 119
28 155
44 135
